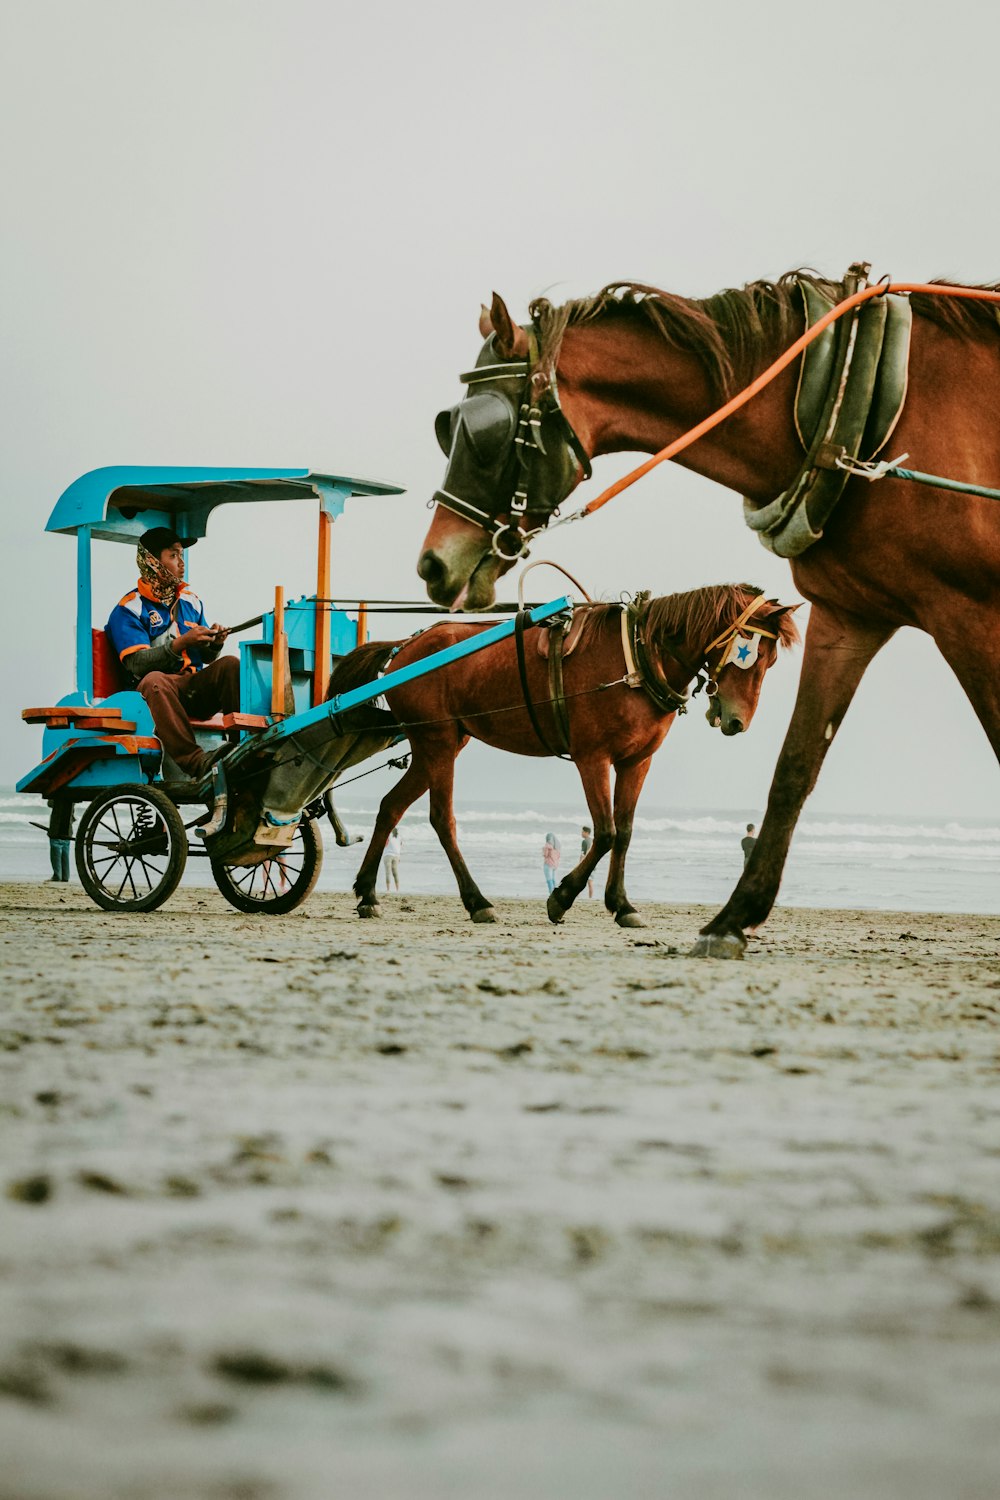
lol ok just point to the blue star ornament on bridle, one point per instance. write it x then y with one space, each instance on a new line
739 643
743 652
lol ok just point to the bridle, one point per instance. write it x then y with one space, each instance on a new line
535 405
642 670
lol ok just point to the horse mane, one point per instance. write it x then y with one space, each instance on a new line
736 332
359 667
696 616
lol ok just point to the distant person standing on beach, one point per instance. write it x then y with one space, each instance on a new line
60 836
390 859
586 844
747 844
551 855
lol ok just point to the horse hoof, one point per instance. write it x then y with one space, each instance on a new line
629 919
555 911
719 945
367 909
483 914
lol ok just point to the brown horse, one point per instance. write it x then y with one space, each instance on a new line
633 368
614 719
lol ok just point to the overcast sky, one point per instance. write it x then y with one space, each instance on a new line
259 233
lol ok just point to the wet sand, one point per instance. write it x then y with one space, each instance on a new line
316 1208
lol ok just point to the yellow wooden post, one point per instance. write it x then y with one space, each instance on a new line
279 655
321 669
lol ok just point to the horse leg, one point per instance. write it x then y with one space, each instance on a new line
441 782
597 790
967 643
394 804
628 784
838 649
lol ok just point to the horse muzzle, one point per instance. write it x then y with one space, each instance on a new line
720 718
461 582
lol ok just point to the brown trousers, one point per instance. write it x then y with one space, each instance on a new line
175 699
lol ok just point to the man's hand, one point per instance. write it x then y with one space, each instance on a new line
196 635
219 633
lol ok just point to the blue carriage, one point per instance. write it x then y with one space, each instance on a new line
99 744
255 816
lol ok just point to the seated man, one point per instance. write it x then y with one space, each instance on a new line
166 647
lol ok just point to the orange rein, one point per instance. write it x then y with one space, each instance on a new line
678 445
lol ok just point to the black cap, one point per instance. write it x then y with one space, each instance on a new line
161 537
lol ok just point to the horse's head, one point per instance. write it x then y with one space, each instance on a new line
738 661
512 459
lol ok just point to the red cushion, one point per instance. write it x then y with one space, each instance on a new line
109 674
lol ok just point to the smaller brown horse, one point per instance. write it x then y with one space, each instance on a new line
622 691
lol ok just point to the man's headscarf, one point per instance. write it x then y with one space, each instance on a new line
159 580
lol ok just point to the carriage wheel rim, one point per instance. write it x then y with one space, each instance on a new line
119 875
258 888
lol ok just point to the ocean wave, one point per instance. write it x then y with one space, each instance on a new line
958 832
677 847
708 823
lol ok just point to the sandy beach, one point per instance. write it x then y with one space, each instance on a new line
311 1207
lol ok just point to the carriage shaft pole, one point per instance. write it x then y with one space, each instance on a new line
440 659
370 690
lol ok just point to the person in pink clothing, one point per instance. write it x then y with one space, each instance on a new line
551 855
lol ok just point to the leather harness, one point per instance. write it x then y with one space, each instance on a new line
641 670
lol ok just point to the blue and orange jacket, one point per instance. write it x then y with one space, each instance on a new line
139 621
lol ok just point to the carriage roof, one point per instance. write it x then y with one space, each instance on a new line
119 503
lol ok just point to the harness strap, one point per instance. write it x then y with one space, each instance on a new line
633 676
891 470
520 624
557 697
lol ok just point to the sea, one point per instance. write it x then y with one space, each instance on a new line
677 856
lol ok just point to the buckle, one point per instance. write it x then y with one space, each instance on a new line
508 530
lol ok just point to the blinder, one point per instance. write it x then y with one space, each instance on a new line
487 421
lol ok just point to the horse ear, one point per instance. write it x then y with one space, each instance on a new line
780 618
512 341
485 322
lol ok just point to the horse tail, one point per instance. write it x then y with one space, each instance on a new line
359 666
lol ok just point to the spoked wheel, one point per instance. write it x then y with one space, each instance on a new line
131 849
279 884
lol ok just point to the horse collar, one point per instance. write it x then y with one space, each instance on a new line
639 668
